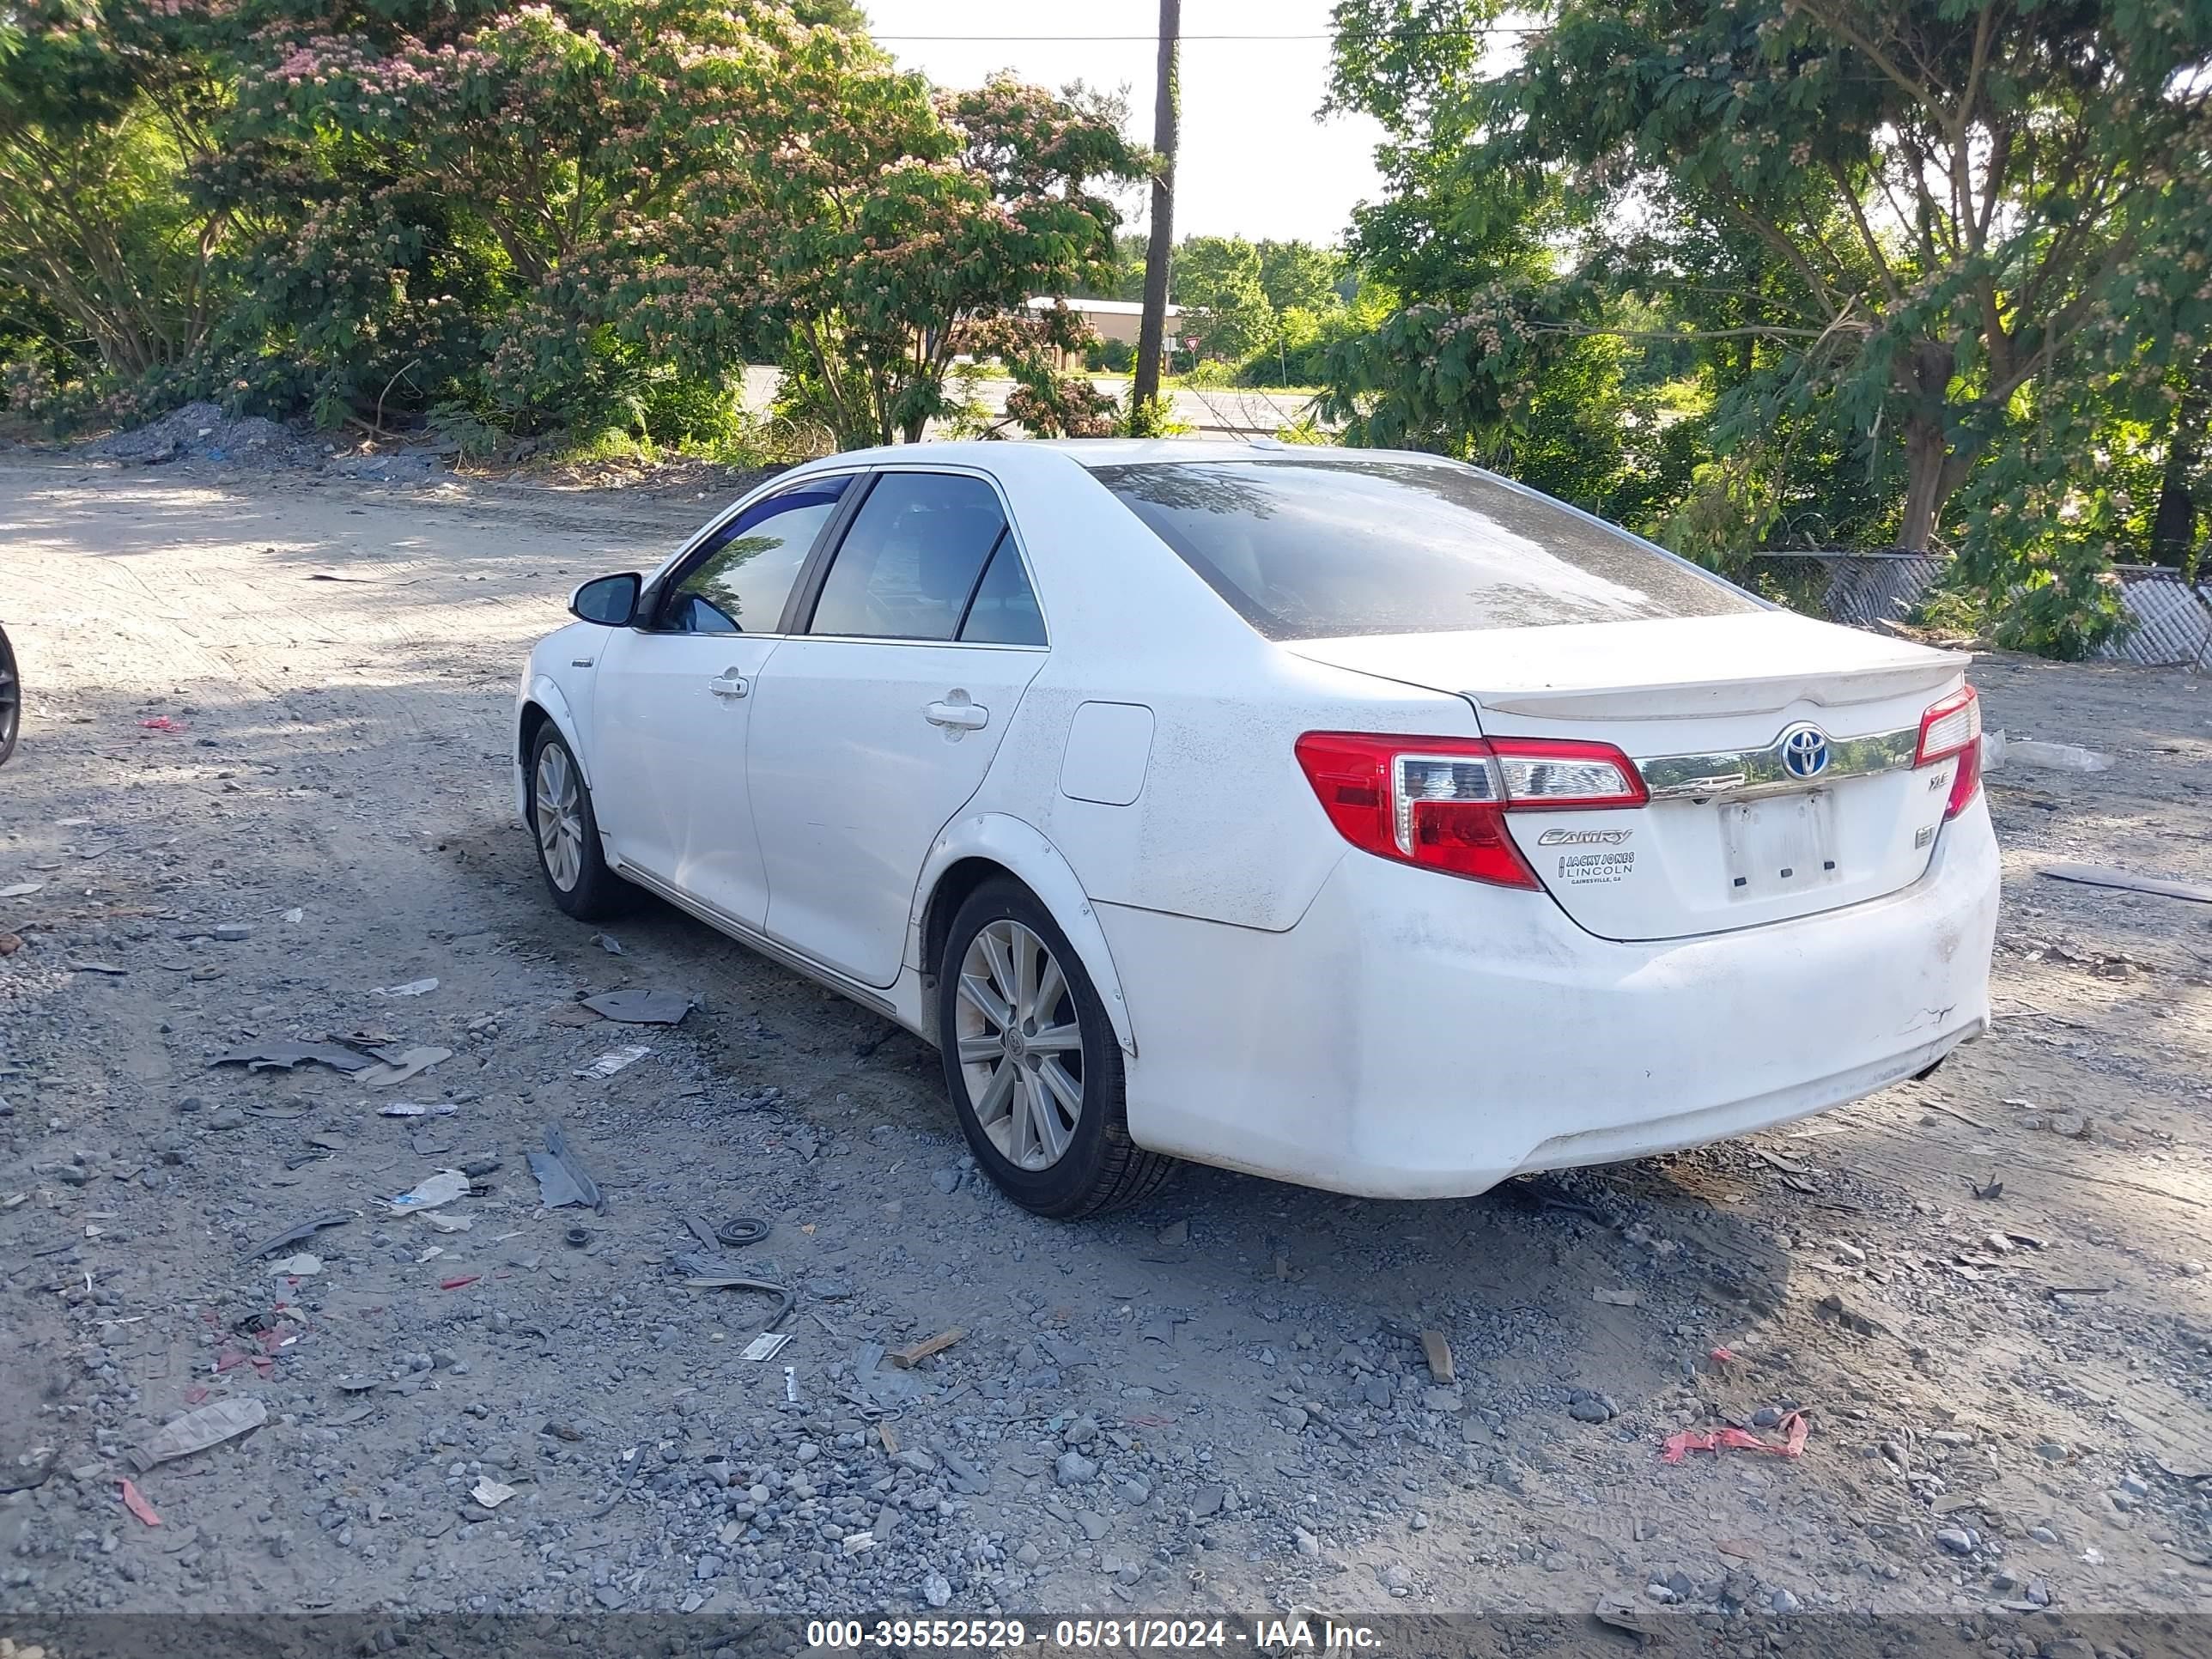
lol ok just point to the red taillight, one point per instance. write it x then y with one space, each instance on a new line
1441 802
1953 727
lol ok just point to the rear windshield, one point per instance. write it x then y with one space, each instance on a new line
1314 547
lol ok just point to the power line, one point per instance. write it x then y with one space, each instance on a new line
1086 40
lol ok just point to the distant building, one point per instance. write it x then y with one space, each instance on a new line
1115 319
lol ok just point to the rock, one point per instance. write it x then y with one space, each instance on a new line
1175 1233
1136 1490
2135 1485
1376 1392
1441 1400
1956 1539
1294 1418
2051 1451
231 932
1080 1432
1783 1602
2070 1124
1766 1417
2042 1534
229 1118
1208 1501
1073 1469
1028 1556
1588 1408
1308 1546
937 1590
1093 1524
946 1181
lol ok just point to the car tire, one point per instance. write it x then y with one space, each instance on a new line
1055 1152
11 699
566 831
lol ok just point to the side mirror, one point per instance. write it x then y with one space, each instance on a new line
609 601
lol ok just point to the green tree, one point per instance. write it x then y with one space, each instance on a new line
103 111
1941 216
1299 274
1223 303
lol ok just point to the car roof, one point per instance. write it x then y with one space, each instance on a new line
1098 452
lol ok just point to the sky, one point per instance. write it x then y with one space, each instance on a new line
1254 159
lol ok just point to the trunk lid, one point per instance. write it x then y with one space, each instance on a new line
1779 751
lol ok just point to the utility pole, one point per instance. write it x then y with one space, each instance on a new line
1162 245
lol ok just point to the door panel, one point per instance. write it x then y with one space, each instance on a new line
675 702
673 713
874 728
861 752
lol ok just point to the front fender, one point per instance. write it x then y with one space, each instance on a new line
541 690
1040 866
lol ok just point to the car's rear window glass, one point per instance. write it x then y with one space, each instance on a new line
1314 548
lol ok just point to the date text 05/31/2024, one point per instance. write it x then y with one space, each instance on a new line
1276 1635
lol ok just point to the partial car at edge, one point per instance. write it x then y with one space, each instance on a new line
1351 817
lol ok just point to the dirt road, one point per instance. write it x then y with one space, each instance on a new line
278 704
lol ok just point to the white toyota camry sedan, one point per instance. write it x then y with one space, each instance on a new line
1353 818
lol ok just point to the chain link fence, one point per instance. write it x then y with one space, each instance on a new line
2171 620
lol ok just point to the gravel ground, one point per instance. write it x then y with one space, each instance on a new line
262 789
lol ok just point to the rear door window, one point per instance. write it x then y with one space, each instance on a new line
1316 548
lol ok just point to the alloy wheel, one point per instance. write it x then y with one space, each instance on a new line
1020 1044
560 816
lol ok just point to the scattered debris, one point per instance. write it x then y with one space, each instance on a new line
303 1266
2104 875
196 1431
1175 1234
491 1493
613 1060
720 1282
265 1056
561 1179
460 1284
1436 1349
1795 1425
403 1066
908 1357
608 943
293 1235
2055 756
1949 1110
442 1187
640 1008
1992 1187
1623 1612
107 968
20 888
414 987
571 1013
411 1109
1612 1298
766 1345
135 1501
10 943
163 723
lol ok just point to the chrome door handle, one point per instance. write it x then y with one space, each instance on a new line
957 715
729 683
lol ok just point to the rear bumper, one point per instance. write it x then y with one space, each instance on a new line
1416 1036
